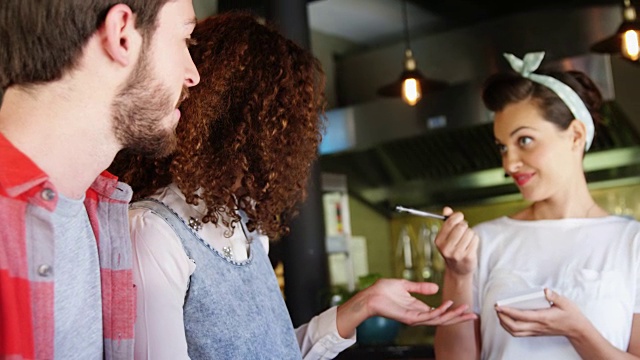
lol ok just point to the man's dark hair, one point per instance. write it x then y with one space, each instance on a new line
41 40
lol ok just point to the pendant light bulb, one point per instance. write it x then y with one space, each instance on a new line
412 82
626 40
630 45
411 91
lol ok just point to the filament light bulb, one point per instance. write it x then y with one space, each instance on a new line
630 46
411 91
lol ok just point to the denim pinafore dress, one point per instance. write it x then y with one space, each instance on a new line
232 310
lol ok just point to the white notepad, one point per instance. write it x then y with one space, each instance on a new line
532 301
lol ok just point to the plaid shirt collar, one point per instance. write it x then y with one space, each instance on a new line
18 174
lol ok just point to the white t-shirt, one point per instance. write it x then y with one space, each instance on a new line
161 273
593 262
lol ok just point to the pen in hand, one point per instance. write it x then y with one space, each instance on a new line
420 213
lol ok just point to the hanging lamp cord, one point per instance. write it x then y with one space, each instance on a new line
405 22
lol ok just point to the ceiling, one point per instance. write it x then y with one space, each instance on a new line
372 22
367 22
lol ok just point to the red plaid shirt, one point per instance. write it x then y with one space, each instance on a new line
27 266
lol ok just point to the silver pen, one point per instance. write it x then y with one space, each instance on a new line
420 213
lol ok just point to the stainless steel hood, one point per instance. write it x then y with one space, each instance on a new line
441 151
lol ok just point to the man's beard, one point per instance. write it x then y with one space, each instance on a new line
139 111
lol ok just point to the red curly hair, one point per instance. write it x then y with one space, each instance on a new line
256 117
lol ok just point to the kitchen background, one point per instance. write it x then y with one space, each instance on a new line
379 152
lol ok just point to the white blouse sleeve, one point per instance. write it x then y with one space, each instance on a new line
161 273
319 338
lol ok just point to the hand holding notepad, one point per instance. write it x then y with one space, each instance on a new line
532 301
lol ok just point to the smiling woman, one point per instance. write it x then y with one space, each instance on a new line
563 242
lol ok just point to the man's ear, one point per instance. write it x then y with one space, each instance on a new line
120 39
578 134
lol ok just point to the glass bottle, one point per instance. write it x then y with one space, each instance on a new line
424 242
406 254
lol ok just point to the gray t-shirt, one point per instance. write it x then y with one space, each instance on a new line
78 300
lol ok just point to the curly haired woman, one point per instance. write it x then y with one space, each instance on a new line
203 217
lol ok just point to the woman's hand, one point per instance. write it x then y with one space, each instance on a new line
458 244
391 298
563 318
